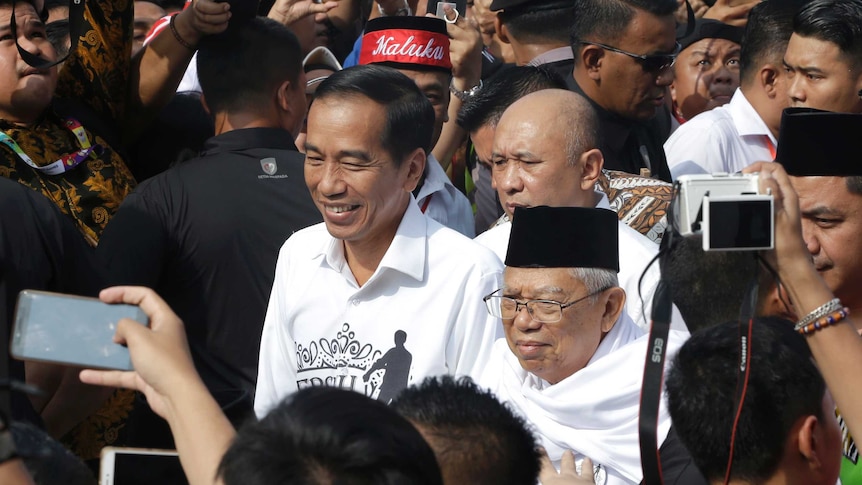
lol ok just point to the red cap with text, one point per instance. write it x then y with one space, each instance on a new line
407 43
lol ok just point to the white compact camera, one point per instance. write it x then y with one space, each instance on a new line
727 210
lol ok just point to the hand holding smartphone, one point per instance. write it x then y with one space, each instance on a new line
71 330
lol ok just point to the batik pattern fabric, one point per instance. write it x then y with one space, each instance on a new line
640 202
95 76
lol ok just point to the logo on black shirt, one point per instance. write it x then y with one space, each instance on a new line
269 166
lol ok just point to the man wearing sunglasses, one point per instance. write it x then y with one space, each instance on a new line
624 50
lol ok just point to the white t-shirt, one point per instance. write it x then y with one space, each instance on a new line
420 314
447 205
635 250
725 139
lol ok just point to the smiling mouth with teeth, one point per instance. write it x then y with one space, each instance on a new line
342 208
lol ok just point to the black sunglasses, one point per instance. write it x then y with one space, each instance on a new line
651 63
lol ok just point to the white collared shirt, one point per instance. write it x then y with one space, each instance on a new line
635 253
448 205
322 328
725 139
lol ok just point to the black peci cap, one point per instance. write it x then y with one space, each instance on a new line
529 5
564 237
708 29
814 143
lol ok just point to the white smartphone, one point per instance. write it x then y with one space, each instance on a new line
134 466
72 330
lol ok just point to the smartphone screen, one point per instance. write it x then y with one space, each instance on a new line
69 329
132 466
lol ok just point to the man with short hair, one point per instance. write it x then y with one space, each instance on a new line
572 360
377 274
538 32
624 51
206 233
545 154
476 438
824 56
731 137
418 47
786 431
813 149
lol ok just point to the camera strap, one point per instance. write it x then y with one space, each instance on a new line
653 384
76 29
746 323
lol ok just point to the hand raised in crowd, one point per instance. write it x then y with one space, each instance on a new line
731 12
160 354
202 18
289 11
465 49
568 474
165 373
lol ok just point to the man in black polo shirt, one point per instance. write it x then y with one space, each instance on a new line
624 50
206 233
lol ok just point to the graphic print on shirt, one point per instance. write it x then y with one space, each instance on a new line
346 362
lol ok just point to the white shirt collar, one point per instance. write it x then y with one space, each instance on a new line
746 119
435 178
406 253
553 55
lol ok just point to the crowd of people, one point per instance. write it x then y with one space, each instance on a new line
379 245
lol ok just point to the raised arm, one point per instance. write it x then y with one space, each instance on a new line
165 373
836 348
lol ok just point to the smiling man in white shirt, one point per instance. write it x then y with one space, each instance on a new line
379 295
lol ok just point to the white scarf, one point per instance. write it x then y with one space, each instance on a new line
593 412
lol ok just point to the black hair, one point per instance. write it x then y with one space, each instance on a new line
58 35
854 184
838 22
409 115
477 439
784 385
607 20
530 25
507 86
708 287
770 24
241 68
325 435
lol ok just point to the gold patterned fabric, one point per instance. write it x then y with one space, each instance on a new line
96 76
640 202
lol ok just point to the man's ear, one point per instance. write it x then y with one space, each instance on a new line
502 31
414 165
614 299
282 96
592 162
812 435
769 75
591 58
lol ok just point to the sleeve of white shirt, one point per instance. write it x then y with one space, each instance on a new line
276 374
697 147
472 338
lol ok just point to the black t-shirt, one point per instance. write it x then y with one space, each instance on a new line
206 235
40 249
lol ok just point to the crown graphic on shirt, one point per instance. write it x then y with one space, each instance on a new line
342 352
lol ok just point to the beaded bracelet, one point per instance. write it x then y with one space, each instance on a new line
825 321
830 306
177 34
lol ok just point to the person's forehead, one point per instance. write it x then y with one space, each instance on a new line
648 33
526 280
710 45
22 9
825 193
811 50
144 9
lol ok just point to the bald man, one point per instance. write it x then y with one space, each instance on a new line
545 153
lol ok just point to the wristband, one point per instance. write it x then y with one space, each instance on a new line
178 36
